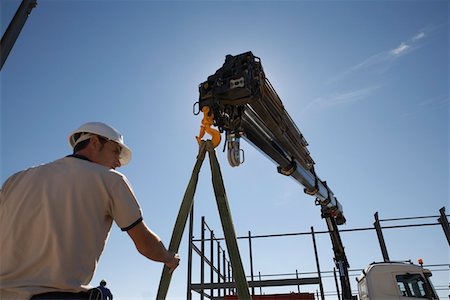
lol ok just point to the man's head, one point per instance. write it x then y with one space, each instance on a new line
100 143
102 283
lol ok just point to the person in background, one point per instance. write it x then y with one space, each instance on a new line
105 292
55 219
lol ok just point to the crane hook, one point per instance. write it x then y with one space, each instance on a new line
207 122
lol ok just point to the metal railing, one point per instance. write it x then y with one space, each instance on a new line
213 255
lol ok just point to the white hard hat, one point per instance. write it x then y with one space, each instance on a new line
105 131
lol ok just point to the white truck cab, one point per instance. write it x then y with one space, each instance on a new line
395 280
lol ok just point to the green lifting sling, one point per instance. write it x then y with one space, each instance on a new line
225 218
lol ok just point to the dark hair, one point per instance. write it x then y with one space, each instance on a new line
83 144
102 140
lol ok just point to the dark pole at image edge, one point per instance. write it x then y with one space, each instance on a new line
14 28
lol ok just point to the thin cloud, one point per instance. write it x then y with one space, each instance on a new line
407 45
346 97
418 36
435 102
385 56
372 60
342 98
400 50
428 105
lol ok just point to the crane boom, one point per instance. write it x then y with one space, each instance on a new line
245 104
242 102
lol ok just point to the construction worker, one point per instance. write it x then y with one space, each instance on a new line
105 293
55 219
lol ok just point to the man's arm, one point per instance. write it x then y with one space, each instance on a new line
149 245
110 295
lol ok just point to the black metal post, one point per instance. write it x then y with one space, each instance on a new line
298 285
381 238
218 267
202 259
14 28
211 236
337 284
444 222
260 287
322 296
251 259
230 276
224 271
191 237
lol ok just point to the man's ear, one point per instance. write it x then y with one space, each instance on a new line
94 142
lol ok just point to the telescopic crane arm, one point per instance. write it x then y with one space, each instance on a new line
241 101
244 104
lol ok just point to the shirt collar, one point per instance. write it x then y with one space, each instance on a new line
79 156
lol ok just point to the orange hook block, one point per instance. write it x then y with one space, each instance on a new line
207 122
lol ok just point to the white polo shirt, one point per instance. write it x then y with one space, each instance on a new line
54 223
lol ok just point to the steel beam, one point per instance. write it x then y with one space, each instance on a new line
15 27
444 222
381 238
261 283
322 295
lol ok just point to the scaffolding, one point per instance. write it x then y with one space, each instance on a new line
216 274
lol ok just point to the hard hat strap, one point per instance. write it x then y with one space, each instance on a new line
84 136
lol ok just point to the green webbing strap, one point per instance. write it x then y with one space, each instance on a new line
180 224
227 226
225 217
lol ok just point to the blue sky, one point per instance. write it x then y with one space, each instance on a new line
366 82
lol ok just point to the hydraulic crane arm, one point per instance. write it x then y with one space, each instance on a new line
244 104
240 100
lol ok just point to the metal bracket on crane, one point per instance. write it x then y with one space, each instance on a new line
288 170
315 189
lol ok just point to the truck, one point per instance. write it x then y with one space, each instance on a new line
395 280
381 280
